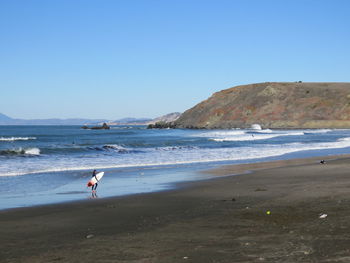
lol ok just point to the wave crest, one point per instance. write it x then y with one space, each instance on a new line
110 147
317 131
175 148
12 139
249 136
115 147
21 151
246 137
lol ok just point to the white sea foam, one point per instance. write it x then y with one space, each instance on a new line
264 131
176 148
346 139
20 151
220 133
256 127
115 147
246 136
156 157
317 131
10 139
32 151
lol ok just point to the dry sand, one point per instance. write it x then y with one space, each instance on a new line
219 220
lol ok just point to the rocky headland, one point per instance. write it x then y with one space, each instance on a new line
272 105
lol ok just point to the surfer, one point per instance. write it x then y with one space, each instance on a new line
95 185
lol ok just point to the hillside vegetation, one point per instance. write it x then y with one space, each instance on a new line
273 105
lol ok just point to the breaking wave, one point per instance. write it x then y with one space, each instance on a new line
176 148
11 139
256 127
111 147
264 131
115 147
172 156
317 131
168 155
346 139
139 148
220 133
21 151
246 137
249 136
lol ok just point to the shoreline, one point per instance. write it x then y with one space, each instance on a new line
239 169
192 171
221 219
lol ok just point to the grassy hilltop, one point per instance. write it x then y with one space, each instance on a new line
273 105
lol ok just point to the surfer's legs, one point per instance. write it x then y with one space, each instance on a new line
95 185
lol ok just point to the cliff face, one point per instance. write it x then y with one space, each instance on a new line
273 105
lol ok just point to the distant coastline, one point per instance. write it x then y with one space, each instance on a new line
6 120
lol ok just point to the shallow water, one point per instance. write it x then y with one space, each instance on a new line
47 164
45 188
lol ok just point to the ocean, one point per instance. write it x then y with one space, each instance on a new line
49 164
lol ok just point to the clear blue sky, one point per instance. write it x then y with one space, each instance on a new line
114 59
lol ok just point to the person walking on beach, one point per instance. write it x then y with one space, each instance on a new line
95 185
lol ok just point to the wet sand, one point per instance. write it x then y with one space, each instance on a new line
219 220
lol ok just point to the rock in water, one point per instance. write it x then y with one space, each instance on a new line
103 127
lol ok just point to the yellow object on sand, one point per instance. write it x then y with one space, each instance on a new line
268 212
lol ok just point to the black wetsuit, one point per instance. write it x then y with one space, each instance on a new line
95 185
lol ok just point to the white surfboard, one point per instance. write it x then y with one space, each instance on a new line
95 179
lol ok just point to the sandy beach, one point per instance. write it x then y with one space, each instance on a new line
271 214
